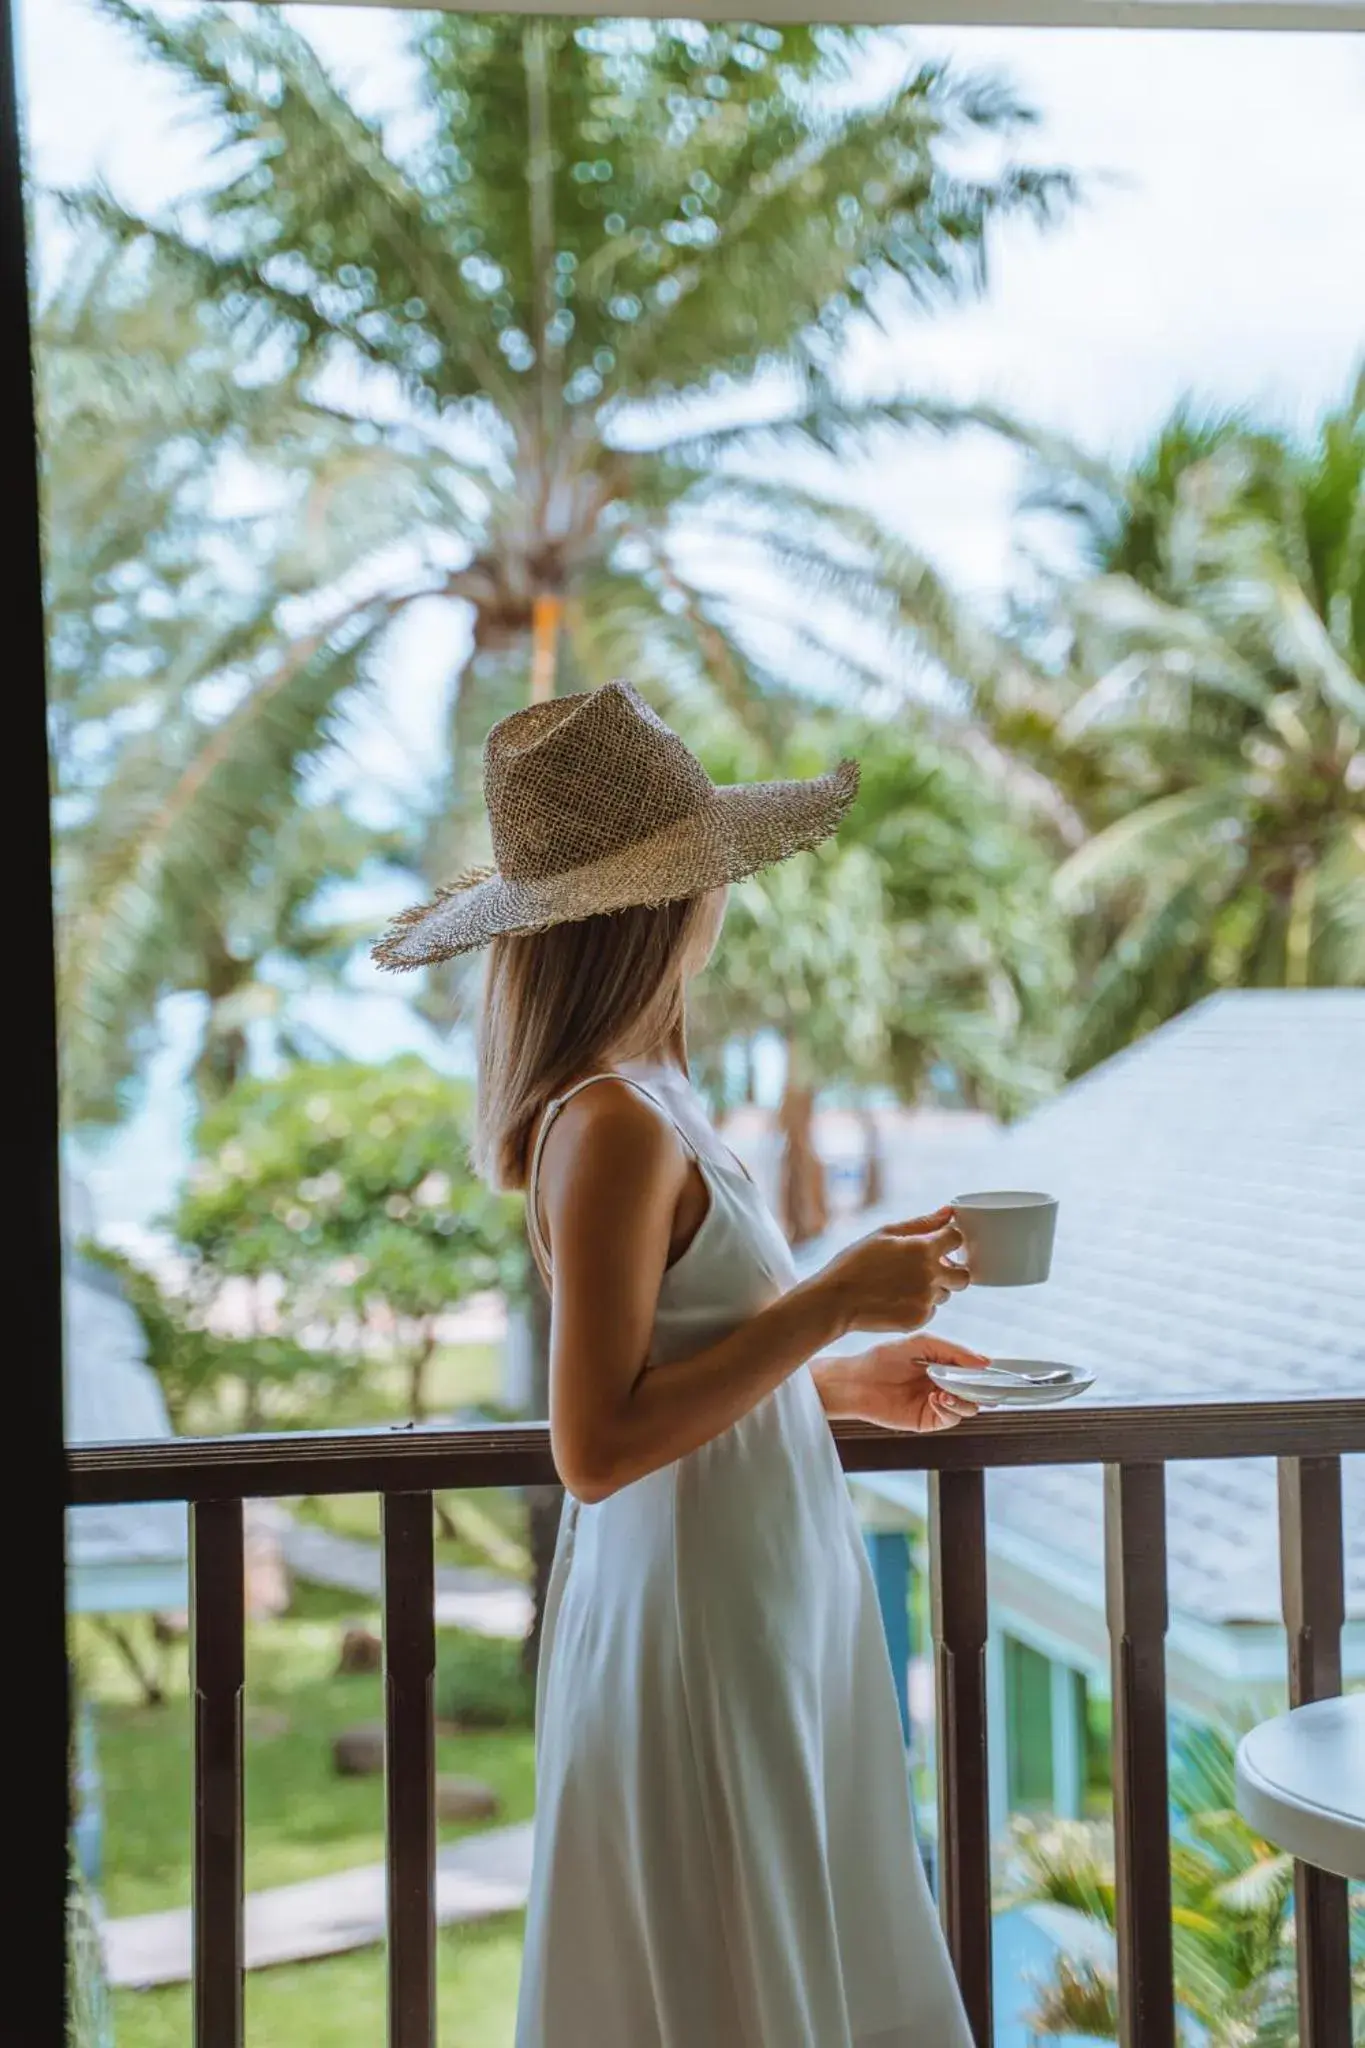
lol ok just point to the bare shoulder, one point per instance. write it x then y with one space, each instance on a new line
610 1136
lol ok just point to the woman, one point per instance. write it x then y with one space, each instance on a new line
724 1852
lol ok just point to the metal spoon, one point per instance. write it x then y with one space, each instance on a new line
1059 1375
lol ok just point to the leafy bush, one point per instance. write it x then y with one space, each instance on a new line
197 1364
330 1221
347 1189
481 1682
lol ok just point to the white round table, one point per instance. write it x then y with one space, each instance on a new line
1301 1784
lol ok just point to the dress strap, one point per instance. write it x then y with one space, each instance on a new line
552 1110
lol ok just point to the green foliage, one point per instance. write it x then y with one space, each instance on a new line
806 952
926 934
199 1364
1232 1899
591 211
302 1819
586 222
184 710
1208 719
343 1161
342 2001
343 1191
330 1220
983 969
482 1683
521 294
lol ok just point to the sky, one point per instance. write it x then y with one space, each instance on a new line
1219 253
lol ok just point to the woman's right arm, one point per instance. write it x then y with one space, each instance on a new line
612 1173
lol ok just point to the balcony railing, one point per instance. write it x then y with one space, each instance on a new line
1133 1444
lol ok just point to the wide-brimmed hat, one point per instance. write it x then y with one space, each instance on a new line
595 806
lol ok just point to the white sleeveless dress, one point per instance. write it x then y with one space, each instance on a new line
724 1848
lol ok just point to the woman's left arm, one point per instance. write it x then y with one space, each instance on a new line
890 1384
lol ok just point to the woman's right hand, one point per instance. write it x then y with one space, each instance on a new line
897 1277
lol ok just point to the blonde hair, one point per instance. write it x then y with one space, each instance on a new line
562 1003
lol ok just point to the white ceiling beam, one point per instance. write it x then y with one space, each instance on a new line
1317 15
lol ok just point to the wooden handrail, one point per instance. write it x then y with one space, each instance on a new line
408 1460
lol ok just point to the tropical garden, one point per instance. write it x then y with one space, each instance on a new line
551 373
1232 1905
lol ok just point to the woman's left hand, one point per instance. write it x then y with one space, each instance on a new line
890 1385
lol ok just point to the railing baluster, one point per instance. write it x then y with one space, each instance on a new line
218 1616
1135 1566
957 1530
1312 1580
410 1766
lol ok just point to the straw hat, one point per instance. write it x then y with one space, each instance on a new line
594 806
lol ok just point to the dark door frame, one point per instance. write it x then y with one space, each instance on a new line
34 1486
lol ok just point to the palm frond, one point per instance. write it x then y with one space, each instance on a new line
824 424
1339 923
1160 837
1062 1863
1158 641
345 241
173 848
774 242
1078 1999
1155 970
1301 640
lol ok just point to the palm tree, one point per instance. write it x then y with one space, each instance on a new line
588 227
259 952
1208 720
982 971
806 952
1232 1897
184 716
926 937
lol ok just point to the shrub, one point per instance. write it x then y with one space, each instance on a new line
480 1682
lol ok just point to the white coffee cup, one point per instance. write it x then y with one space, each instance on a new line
1008 1236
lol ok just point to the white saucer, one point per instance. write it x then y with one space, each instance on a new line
1013 1382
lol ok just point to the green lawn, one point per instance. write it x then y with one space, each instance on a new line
489 1525
460 1377
301 1821
340 2003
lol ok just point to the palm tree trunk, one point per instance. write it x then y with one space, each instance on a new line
547 607
547 611
221 1061
540 194
874 1161
466 777
803 1198
222 1054
1298 937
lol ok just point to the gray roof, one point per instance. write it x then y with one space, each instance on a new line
1210 1244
